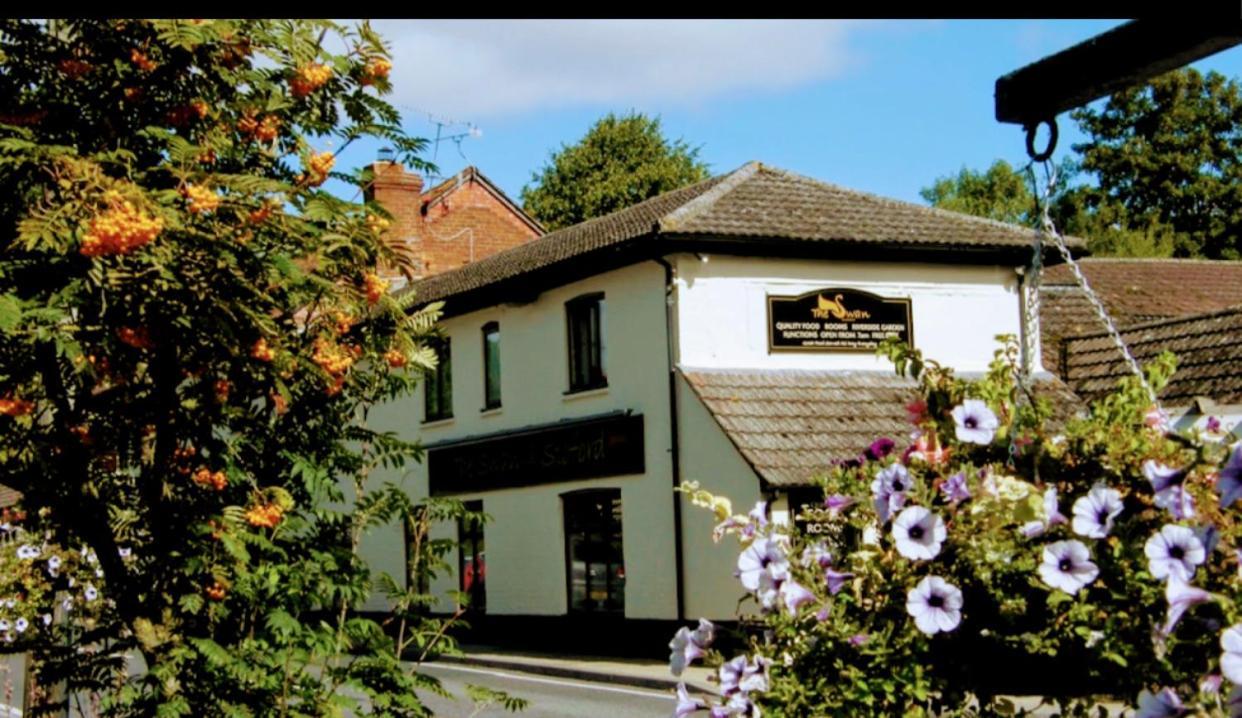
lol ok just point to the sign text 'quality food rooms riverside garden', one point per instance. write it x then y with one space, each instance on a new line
837 320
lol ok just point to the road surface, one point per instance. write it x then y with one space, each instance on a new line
549 697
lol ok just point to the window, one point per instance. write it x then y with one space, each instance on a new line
585 317
470 564
491 366
438 387
595 567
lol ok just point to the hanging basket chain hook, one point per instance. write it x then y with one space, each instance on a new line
1046 153
1047 228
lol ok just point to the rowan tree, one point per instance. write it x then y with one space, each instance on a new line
193 330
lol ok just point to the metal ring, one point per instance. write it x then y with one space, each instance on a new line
1031 129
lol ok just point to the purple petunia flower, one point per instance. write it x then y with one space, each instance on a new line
1067 565
1052 516
742 676
1174 552
858 639
823 614
687 646
1213 425
918 533
1231 657
687 705
1171 494
817 554
879 448
889 490
20 625
1234 703
954 488
1164 704
935 605
759 514
1181 596
976 424
1230 481
763 557
836 503
795 596
1095 512
836 580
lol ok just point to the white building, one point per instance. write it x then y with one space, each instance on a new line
723 333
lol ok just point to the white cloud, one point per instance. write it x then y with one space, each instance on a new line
470 69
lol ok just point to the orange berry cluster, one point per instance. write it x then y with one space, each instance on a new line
395 359
182 115
136 337
279 402
333 359
216 591
375 286
74 68
260 215
262 351
265 515
143 62
12 406
202 199
343 322
310 78
264 130
377 68
377 224
222 390
318 165
212 479
119 230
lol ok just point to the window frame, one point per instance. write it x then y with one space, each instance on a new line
439 383
472 534
488 403
592 375
582 496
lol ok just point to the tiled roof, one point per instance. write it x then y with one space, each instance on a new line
1208 348
753 202
8 496
791 424
1133 291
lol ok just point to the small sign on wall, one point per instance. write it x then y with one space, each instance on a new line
837 320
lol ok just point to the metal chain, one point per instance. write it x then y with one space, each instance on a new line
1048 228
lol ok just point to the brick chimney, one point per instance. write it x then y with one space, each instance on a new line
400 193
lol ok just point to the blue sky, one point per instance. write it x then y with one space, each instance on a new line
880 106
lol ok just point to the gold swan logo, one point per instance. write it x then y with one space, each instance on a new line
835 308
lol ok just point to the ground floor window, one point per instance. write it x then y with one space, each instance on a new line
471 567
594 567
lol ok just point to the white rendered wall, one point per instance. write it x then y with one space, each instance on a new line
957 309
708 457
525 551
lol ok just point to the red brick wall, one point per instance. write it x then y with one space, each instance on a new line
468 224
464 224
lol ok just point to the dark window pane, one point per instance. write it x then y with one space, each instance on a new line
491 365
438 384
472 566
595 564
585 338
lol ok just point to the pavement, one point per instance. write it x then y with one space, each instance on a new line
649 674
588 679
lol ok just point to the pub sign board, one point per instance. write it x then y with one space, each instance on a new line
837 320
591 448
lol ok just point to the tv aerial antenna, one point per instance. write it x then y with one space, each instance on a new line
448 130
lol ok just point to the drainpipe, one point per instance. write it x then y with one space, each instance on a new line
674 433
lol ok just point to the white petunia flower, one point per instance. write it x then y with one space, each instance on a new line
1067 565
935 605
918 533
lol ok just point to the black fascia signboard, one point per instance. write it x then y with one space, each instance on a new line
597 447
837 319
